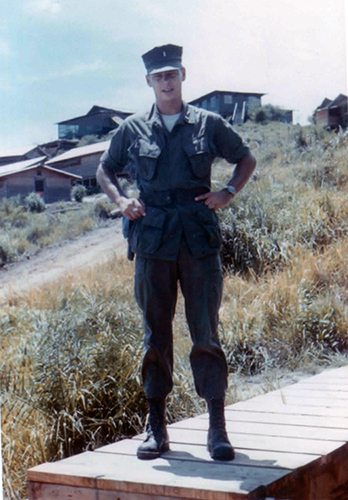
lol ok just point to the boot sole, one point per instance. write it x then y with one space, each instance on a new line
151 455
224 453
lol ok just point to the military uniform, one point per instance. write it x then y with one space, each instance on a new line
178 240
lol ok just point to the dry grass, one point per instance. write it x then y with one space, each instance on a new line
76 346
23 233
71 352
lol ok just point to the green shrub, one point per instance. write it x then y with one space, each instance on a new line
35 203
103 208
10 206
78 192
267 113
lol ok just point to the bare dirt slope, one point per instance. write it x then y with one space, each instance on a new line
52 263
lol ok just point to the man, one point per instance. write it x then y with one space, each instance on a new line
174 233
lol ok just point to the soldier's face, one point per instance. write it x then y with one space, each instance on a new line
167 84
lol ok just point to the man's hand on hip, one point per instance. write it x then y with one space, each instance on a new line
216 199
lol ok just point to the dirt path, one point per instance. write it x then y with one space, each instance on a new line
52 263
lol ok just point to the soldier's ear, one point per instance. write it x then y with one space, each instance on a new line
148 81
183 73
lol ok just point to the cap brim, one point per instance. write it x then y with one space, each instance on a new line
164 68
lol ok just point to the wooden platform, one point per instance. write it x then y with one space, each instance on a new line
290 444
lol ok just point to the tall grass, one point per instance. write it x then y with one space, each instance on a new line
71 353
70 380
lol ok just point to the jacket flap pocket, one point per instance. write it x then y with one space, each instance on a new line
149 149
154 217
199 145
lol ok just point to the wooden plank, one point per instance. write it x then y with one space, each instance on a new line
198 453
270 429
277 418
159 477
340 397
45 491
288 400
323 480
285 398
279 407
271 443
321 386
291 444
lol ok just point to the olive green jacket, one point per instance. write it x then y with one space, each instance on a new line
165 163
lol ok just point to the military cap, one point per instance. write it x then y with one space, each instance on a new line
164 58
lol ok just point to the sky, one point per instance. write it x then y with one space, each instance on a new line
58 58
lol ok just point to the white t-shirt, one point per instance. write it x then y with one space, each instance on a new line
170 120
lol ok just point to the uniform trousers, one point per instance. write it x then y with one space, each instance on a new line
156 287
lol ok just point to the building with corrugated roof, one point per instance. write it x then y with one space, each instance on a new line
82 161
231 105
49 149
33 175
98 121
332 114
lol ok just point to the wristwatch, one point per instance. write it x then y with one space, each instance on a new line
231 189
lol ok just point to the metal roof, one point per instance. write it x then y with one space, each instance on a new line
21 166
214 92
13 168
98 147
340 100
95 110
19 151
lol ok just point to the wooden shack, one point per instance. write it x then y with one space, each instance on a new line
98 121
48 149
332 114
81 161
33 175
231 105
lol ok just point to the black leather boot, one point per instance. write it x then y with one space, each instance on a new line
219 446
157 440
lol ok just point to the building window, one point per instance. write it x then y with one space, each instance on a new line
228 99
68 131
90 184
213 102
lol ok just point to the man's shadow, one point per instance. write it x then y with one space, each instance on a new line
242 469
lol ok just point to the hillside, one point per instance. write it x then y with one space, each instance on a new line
55 262
71 349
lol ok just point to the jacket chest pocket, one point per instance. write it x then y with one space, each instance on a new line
146 156
200 156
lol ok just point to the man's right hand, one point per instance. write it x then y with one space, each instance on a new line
132 208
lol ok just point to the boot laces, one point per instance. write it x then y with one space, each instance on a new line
156 418
217 418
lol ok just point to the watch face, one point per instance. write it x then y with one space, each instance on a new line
232 190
